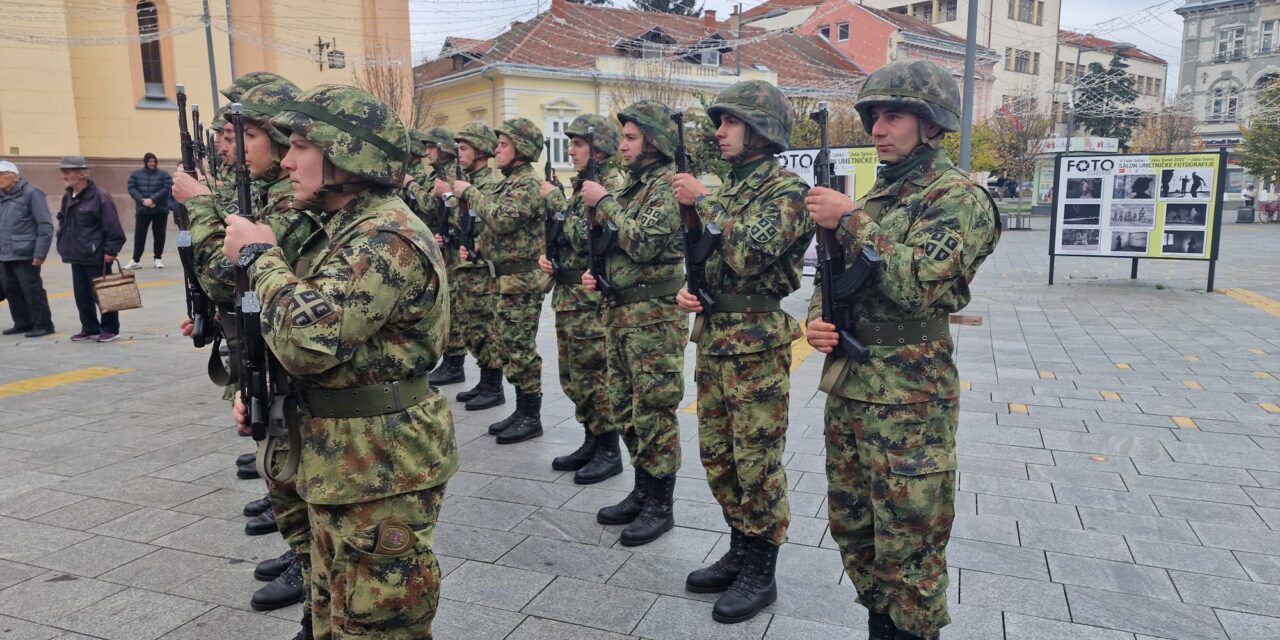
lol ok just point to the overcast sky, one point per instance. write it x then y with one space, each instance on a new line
1150 24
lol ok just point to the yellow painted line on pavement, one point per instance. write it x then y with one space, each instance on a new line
1263 375
1269 407
966 386
1017 407
44 383
1258 352
1109 395
1048 375
1124 366
1255 300
1192 358
1184 422
800 351
1192 384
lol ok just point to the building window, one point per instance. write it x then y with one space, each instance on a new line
842 32
947 10
1224 105
1158 87
923 10
651 50
555 126
903 9
710 57
1029 11
1230 44
825 32
149 41
1267 36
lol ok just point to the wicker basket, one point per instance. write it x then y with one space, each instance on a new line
117 291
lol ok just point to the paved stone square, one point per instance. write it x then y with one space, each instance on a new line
1119 479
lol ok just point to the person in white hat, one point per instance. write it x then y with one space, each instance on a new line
26 232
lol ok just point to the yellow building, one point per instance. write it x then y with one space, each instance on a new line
98 77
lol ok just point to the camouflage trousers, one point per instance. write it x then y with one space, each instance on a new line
580 347
454 344
358 591
742 429
515 319
891 479
291 517
472 318
644 384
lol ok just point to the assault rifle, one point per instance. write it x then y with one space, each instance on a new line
253 364
699 241
839 280
603 238
215 161
554 222
467 225
198 139
200 309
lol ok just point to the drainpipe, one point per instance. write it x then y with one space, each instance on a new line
493 96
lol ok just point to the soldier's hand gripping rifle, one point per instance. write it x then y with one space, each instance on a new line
839 280
200 309
467 225
603 238
555 219
700 242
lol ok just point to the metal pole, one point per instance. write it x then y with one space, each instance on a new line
1071 118
213 65
738 49
231 42
970 62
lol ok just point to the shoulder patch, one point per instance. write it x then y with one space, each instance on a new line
309 307
941 246
763 231
651 217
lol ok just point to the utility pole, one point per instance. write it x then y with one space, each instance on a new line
213 65
738 49
231 42
970 62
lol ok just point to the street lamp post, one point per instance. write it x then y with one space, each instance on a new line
1075 77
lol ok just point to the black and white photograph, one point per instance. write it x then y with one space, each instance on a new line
1133 215
1183 214
1186 184
1079 240
1134 186
1129 241
1081 214
1084 188
1183 242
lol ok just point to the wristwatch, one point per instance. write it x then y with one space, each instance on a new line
250 252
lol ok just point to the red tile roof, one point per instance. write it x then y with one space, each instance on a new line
454 44
572 36
761 10
914 25
1091 41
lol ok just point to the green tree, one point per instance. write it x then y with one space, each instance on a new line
983 156
700 139
678 7
1262 137
1104 100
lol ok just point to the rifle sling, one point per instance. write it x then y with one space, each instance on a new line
362 402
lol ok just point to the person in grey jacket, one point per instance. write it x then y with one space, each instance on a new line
26 232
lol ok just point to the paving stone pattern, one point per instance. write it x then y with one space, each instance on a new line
1086 511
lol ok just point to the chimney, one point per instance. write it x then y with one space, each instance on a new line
557 8
709 18
735 18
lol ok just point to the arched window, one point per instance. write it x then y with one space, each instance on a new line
149 42
1224 101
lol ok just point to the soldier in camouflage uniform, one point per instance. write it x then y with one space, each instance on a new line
744 346
512 215
416 174
891 423
579 336
477 292
358 321
442 154
645 331
225 180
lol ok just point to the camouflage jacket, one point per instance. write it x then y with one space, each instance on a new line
650 245
932 228
766 233
484 180
514 233
273 201
573 249
366 302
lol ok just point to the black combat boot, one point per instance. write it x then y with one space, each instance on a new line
248 471
449 372
247 460
626 511
305 632
754 588
604 464
907 635
255 508
656 518
501 425
880 627
262 524
270 569
580 456
529 423
491 393
286 590
717 577
485 374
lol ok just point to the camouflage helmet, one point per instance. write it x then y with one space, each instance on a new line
479 136
442 138
357 132
526 136
264 102
604 137
919 86
417 143
654 120
240 85
761 106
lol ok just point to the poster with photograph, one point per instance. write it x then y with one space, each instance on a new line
855 167
1137 206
